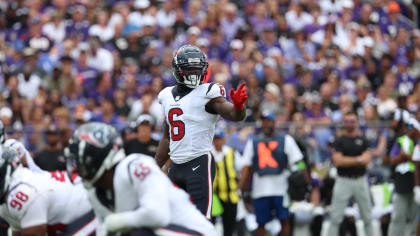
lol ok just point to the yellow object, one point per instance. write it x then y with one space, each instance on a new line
225 183
217 207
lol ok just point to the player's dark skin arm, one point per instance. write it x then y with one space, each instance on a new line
225 109
385 159
417 174
39 230
162 153
245 180
346 161
400 158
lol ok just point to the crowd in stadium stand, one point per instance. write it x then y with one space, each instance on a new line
67 62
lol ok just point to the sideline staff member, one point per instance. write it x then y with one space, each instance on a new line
225 183
404 213
143 143
350 156
269 156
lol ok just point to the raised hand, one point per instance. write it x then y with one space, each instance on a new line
239 97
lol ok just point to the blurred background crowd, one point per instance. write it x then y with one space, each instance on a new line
67 62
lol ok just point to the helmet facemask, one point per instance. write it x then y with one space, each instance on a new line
192 75
78 161
113 157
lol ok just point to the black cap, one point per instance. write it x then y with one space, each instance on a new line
53 130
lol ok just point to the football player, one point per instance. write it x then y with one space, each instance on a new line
39 203
191 111
130 193
18 147
23 155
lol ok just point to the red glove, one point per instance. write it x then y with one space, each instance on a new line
239 97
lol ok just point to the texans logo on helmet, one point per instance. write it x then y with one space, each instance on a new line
90 139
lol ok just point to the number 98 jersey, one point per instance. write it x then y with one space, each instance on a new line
191 125
43 198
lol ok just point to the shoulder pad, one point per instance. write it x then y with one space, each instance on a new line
19 199
162 94
215 90
140 167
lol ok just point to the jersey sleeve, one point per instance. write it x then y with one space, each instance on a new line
215 90
151 186
27 205
294 154
416 153
31 163
162 94
159 97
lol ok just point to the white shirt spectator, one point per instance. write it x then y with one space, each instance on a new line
57 33
296 22
386 107
329 7
103 60
115 19
318 37
356 49
165 19
104 34
29 88
263 186
155 110
135 18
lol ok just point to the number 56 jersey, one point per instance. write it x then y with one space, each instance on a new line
191 125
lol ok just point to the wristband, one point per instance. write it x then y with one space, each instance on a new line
238 107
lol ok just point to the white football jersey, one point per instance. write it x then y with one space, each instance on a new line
140 186
191 127
43 198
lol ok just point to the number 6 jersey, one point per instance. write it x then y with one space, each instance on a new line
191 125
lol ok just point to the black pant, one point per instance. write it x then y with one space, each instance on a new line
80 224
4 226
168 230
229 217
196 177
